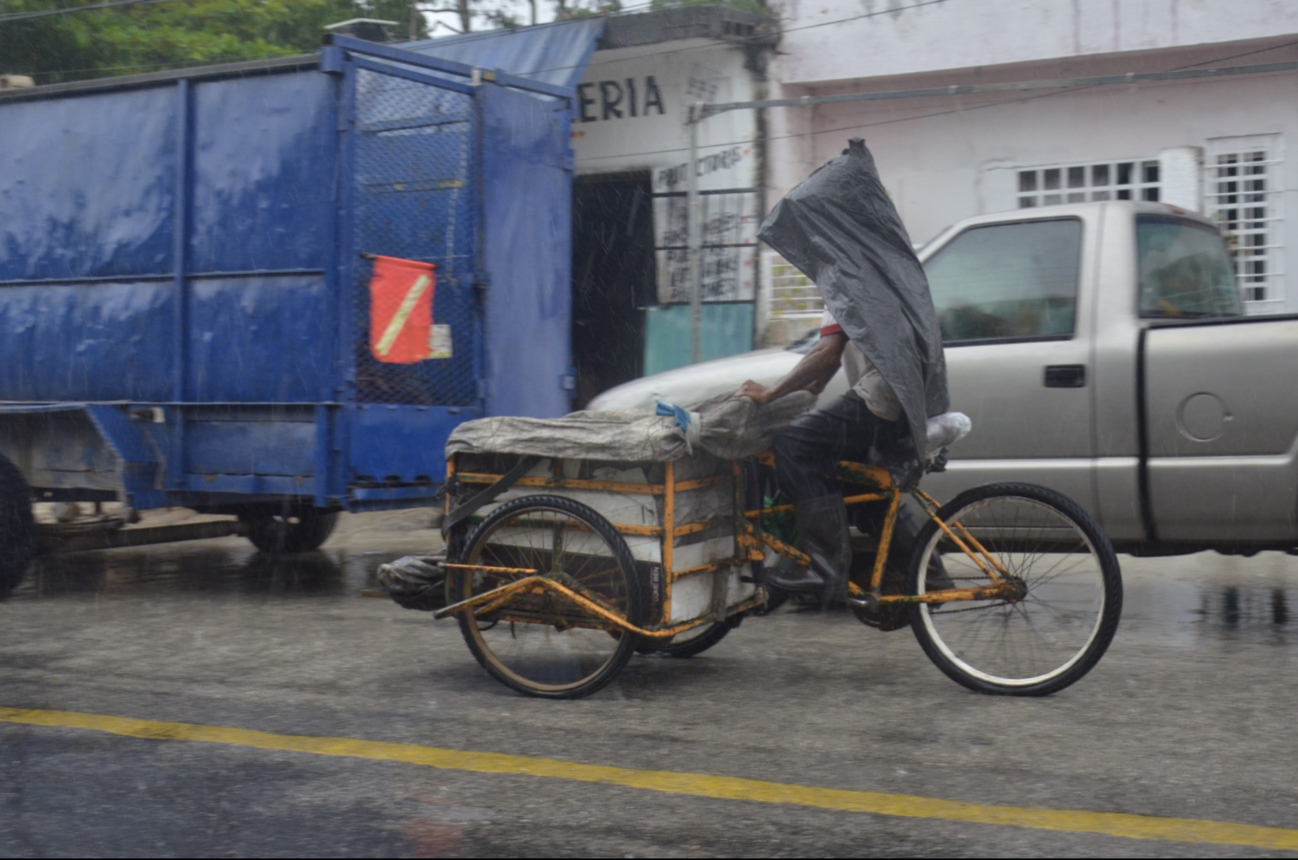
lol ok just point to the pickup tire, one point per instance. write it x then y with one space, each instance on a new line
1065 602
17 528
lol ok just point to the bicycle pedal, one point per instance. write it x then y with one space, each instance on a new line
869 601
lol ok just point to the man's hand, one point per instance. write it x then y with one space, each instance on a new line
756 391
812 373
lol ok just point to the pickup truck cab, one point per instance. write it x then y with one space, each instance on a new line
1100 350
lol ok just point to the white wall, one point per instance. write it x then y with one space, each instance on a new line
683 71
944 159
875 38
656 140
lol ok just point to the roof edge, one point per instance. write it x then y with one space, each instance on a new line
716 22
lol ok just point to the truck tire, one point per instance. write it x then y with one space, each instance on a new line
302 529
17 528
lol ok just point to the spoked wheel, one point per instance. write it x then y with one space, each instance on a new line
543 644
1067 592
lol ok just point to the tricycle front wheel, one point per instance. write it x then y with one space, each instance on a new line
1061 610
542 644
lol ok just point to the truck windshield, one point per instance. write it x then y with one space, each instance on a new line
1185 270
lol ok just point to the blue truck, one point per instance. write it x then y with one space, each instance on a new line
185 262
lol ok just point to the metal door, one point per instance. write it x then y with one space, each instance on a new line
412 190
1015 321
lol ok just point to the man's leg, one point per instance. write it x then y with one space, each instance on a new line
806 455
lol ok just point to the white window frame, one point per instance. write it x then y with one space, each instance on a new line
1243 191
792 295
1086 181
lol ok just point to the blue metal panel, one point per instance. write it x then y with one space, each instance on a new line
86 185
138 461
269 447
402 444
528 250
258 339
100 341
555 53
198 242
263 166
247 485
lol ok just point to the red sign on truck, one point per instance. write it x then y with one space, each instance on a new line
401 310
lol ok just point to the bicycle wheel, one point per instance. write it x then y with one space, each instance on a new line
543 644
1069 600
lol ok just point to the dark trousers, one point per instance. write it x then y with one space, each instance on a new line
807 452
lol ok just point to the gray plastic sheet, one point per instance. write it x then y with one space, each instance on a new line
841 229
731 427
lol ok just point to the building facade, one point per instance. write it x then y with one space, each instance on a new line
1215 145
631 290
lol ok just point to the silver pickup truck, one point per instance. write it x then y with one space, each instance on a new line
1100 350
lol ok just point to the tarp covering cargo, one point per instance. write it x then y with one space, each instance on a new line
727 427
840 227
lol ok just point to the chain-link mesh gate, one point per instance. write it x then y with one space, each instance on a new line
415 198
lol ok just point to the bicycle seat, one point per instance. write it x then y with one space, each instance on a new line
945 430
896 451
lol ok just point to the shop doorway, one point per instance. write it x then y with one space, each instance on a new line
613 279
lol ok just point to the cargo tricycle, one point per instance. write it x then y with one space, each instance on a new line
565 568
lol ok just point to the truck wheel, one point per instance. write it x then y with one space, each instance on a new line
17 528
302 529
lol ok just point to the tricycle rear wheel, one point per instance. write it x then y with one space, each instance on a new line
542 644
17 528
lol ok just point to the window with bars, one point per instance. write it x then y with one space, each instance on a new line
793 295
1242 189
1137 179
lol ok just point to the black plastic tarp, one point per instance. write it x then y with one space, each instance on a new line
840 227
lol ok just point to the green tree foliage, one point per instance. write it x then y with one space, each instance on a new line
147 37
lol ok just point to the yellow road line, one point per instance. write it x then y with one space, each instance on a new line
695 784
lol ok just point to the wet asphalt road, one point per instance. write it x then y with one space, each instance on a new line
1191 714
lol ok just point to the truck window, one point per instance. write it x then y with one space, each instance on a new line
1185 270
1008 281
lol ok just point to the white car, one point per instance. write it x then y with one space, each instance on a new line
696 382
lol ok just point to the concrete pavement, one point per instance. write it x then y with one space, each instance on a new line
1188 716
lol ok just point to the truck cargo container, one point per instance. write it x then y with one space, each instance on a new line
185 262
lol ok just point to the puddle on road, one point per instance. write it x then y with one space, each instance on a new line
1235 610
1188 600
1205 597
181 569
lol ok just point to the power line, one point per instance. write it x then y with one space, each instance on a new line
70 10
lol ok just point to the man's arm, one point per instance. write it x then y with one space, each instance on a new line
812 373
